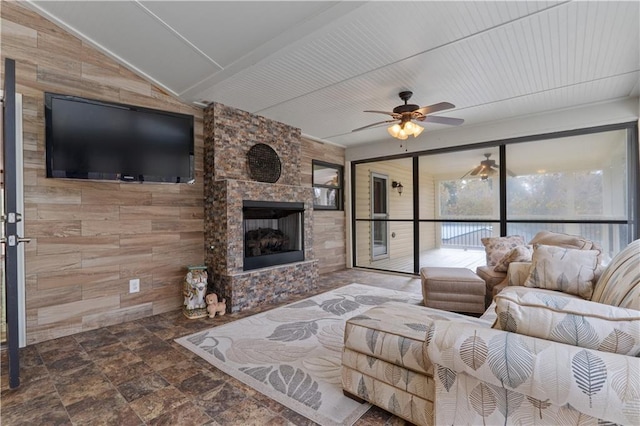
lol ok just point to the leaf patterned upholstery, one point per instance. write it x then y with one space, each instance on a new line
568 319
619 284
556 359
524 377
383 359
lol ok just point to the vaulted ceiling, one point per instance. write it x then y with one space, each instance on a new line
319 65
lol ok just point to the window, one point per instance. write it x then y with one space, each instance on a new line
574 185
576 182
327 186
379 210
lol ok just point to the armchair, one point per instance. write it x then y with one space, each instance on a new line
550 358
488 376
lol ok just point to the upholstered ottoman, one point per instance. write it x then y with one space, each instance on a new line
453 289
384 358
383 361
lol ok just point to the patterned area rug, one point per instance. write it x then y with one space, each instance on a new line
292 354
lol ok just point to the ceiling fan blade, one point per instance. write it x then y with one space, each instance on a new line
476 170
393 114
379 123
472 172
443 120
435 108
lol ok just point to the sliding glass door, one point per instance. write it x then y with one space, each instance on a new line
383 219
579 182
459 205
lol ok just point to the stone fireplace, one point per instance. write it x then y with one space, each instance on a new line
259 235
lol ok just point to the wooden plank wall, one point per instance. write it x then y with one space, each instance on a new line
90 238
329 227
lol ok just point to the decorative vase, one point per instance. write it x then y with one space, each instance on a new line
194 289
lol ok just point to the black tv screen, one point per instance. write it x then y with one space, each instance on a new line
90 139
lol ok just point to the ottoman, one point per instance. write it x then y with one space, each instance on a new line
384 358
453 289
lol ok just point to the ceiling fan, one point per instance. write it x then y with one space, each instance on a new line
486 168
405 115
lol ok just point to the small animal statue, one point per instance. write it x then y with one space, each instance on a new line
213 306
195 286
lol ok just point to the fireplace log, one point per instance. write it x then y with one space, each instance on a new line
263 241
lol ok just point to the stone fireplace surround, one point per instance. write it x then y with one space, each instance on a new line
229 134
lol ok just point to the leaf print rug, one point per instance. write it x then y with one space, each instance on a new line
292 354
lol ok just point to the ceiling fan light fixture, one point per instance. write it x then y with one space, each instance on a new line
394 130
409 127
403 130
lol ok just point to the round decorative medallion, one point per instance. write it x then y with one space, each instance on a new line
264 163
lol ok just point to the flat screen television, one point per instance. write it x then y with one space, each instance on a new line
90 139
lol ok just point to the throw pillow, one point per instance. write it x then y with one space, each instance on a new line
549 238
496 247
568 319
568 270
619 284
516 254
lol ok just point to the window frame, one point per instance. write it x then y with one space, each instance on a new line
339 206
632 220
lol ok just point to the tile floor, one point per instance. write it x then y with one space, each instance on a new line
135 374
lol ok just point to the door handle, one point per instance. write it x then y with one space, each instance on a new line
11 217
13 240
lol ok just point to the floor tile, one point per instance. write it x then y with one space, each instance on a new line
134 374
70 364
185 415
181 371
218 400
161 401
45 409
108 407
81 384
200 384
26 392
141 386
127 372
246 413
93 339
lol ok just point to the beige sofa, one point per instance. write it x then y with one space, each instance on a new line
546 360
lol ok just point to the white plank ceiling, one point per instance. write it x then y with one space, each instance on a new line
319 65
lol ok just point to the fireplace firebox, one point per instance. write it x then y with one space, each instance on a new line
273 233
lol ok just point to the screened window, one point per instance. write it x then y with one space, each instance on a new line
575 185
578 183
327 186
